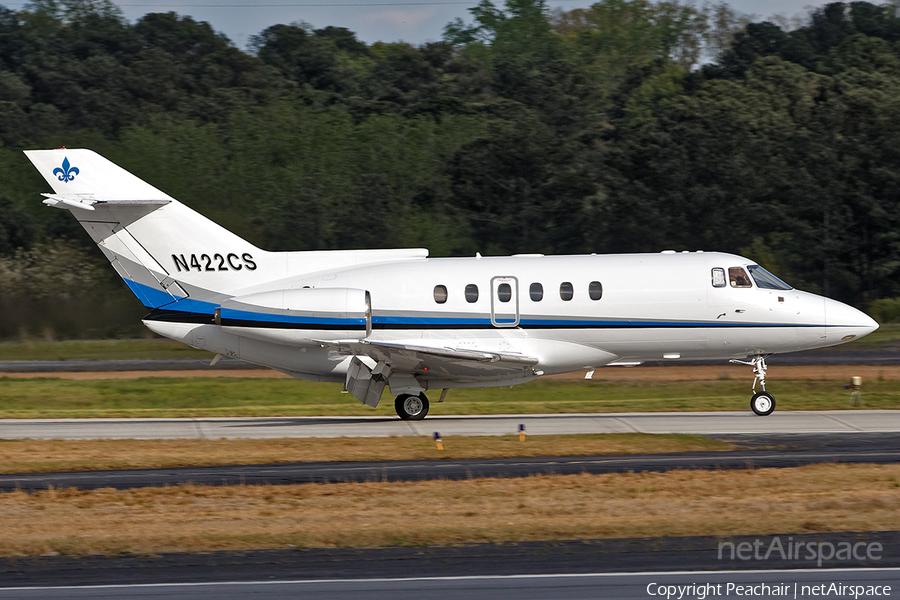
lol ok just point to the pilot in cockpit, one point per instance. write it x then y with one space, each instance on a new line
739 278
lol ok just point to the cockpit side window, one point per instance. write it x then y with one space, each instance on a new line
718 277
765 280
738 278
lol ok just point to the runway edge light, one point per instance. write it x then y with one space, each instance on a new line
856 395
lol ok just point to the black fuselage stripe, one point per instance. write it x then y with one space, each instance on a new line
171 316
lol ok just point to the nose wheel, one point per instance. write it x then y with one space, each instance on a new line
410 407
762 403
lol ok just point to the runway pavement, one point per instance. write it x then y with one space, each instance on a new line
700 423
648 559
855 583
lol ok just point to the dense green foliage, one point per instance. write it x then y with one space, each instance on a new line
593 130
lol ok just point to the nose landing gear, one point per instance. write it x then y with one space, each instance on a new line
762 403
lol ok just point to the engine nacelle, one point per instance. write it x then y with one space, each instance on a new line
347 310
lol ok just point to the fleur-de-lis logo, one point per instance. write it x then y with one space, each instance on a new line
66 172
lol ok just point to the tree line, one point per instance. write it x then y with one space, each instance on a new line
628 126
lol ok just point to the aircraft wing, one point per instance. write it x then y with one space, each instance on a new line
407 365
408 357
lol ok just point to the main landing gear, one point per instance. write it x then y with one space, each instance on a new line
762 403
410 407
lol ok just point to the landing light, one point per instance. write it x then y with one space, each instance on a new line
847 338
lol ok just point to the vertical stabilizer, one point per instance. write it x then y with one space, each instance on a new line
169 255
84 174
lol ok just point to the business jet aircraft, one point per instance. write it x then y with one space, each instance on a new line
370 318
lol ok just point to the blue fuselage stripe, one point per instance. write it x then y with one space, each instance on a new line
199 311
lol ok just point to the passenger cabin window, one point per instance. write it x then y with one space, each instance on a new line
440 294
738 278
566 291
471 293
504 292
536 291
718 277
766 280
595 290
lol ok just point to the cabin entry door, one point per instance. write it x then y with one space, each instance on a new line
504 301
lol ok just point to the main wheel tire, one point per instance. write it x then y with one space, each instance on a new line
762 403
411 408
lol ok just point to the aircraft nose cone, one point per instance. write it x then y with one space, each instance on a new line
845 323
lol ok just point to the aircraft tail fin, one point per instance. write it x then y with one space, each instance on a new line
84 175
166 252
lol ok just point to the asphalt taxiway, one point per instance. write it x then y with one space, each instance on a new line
563 586
700 423
607 564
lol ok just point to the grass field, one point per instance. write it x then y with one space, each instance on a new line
216 397
148 349
197 519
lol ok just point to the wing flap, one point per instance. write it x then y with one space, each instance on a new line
408 356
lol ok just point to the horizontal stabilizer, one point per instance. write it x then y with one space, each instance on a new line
70 201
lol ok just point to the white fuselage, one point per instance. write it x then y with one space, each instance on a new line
652 307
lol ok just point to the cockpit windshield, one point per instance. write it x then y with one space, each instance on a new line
765 280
